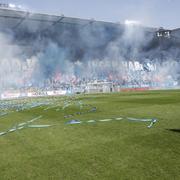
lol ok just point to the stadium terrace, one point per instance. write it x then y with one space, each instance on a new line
55 55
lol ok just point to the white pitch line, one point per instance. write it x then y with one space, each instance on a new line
39 126
91 121
2 133
20 127
118 118
34 119
12 130
105 120
136 119
22 124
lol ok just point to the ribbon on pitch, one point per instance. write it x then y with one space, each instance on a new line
152 121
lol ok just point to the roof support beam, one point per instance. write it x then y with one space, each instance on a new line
21 21
59 20
54 23
89 23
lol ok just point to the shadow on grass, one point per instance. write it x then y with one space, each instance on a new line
174 130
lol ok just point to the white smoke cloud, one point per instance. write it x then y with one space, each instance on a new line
92 52
11 67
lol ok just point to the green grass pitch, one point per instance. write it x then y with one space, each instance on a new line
111 150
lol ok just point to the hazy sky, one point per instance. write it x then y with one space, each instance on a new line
154 13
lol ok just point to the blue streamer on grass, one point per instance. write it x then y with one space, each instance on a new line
152 121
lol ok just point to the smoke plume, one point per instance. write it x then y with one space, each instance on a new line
126 55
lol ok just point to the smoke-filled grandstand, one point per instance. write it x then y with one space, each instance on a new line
46 53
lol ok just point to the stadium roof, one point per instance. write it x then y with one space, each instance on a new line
28 25
10 18
13 19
